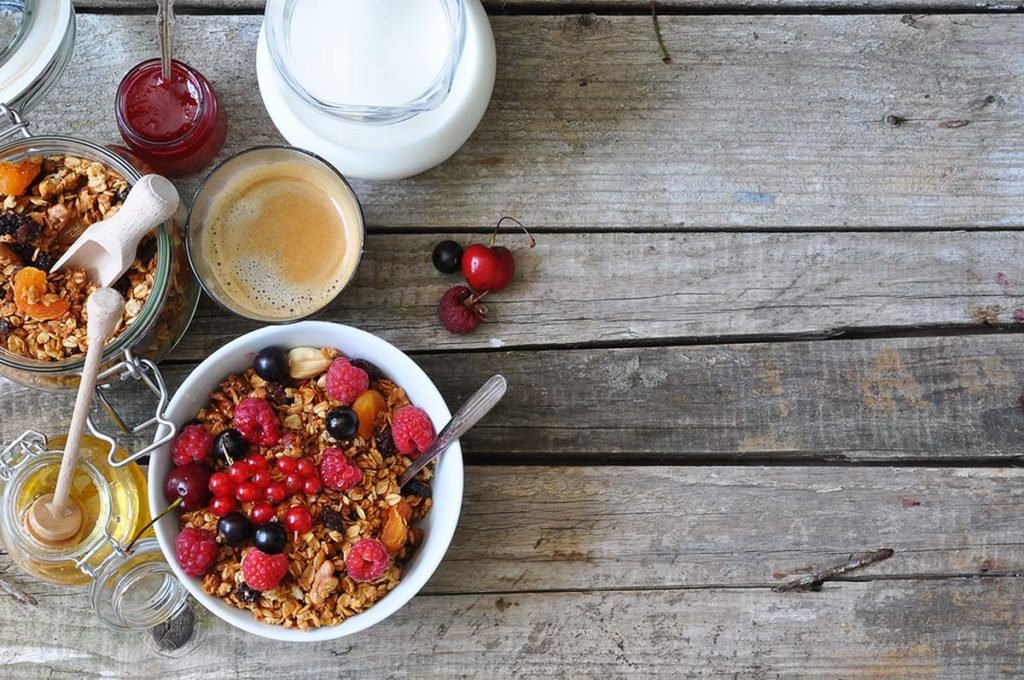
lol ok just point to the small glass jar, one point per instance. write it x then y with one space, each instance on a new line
128 591
179 127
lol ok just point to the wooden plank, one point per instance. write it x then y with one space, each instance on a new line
627 288
760 121
910 399
915 629
554 6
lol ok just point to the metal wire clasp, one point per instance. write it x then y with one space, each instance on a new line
12 123
134 368
30 443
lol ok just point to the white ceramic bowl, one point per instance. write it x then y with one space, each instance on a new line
438 526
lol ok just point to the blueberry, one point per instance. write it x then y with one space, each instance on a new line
270 538
229 446
235 528
271 364
447 257
342 423
370 368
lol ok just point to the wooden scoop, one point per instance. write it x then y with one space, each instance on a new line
56 519
107 249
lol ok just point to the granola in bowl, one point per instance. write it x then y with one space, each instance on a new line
288 481
45 205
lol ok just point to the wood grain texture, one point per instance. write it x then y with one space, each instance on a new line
910 399
626 288
760 121
914 629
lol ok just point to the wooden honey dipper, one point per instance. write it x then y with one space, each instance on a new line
56 519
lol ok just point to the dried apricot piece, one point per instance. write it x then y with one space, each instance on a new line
15 177
367 405
31 298
395 532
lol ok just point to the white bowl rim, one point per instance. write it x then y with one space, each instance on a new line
449 466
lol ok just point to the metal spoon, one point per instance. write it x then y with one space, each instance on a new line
475 408
165 20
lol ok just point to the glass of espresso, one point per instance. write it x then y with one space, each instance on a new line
275 234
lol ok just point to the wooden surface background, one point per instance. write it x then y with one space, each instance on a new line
772 321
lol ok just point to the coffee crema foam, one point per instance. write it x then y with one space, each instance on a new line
283 239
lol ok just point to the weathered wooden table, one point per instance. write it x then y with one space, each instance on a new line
770 323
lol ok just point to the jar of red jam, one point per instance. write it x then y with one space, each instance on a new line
176 126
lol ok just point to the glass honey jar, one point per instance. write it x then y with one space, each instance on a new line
128 590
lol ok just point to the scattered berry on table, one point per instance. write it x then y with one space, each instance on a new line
262 513
270 537
276 492
195 550
345 382
286 464
486 269
230 446
222 505
238 472
271 364
235 528
332 520
385 443
221 484
341 423
246 594
412 431
263 571
460 310
415 487
256 420
338 472
372 370
298 519
189 482
447 257
192 445
367 560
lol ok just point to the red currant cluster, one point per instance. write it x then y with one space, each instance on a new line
252 480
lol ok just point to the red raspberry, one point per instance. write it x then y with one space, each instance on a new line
262 571
256 420
195 550
193 445
412 431
345 382
460 310
366 560
338 472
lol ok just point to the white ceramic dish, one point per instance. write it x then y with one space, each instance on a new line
438 526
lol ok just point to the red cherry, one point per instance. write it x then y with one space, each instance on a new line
305 467
311 486
261 513
298 519
221 484
277 492
247 492
256 463
222 505
286 464
488 270
260 478
238 472
293 482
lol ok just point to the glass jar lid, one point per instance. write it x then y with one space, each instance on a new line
137 590
36 40
369 61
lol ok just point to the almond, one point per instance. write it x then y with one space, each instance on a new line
307 362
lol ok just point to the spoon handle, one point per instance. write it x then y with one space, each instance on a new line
475 408
165 20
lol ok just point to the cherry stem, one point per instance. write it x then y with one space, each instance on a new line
153 521
494 236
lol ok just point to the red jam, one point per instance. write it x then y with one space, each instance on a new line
176 126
